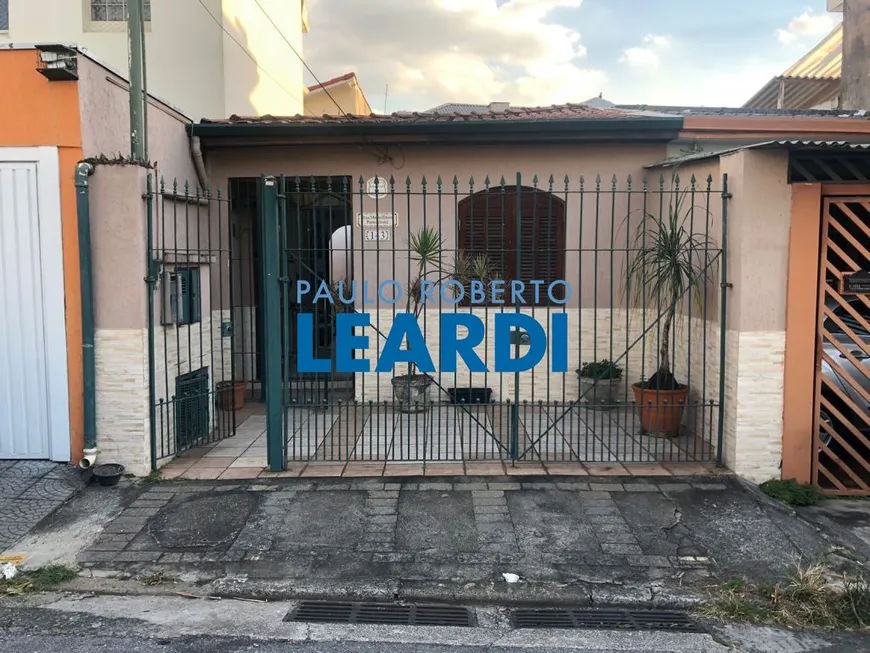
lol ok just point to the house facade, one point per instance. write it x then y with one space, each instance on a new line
210 58
210 329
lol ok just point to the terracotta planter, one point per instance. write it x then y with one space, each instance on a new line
230 395
661 411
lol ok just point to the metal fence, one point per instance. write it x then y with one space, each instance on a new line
624 279
192 373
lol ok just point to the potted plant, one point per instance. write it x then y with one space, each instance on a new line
411 389
599 383
470 268
425 246
666 265
230 395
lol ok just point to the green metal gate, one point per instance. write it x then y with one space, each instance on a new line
643 266
193 321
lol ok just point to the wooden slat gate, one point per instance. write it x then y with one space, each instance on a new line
842 413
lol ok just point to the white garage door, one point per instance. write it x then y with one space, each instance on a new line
34 401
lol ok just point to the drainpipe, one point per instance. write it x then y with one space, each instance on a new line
83 171
198 162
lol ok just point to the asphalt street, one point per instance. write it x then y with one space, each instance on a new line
71 623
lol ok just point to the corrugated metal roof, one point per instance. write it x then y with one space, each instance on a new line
455 107
825 61
652 109
814 79
766 145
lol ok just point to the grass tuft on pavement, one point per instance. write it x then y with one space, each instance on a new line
792 493
809 597
37 580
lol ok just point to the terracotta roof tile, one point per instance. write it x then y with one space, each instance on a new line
555 112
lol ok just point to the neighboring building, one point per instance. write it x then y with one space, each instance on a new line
209 58
811 83
340 95
46 129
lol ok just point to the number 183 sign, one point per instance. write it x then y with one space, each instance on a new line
380 234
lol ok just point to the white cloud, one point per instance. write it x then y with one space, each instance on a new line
437 51
646 56
807 25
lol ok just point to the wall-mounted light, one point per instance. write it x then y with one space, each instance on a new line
57 63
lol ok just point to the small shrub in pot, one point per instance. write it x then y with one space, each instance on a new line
599 384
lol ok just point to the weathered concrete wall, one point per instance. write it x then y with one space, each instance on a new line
105 110
855 85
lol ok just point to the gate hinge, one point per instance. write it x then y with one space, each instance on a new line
727 284
727 196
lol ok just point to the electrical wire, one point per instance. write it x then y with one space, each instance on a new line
250 56
299 56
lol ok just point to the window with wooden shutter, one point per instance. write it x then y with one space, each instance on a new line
182 293
522 234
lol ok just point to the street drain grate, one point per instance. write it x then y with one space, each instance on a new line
603 619
402 614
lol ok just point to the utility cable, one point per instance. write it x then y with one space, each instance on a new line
250 56
299 56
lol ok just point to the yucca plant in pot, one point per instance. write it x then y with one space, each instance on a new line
411 390
425 249
599 384
668 263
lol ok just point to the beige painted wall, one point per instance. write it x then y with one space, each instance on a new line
759 222
618 212
598 327
191 62
105 118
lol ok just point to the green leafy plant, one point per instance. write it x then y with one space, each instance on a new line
426 248
668 263
37 580
792 492
601 370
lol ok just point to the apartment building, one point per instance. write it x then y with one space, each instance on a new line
209 58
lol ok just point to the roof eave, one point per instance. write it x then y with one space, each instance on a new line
628 128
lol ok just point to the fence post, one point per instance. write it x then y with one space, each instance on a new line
151 281
723 308
272 381
516 235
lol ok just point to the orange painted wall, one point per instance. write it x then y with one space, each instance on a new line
35 112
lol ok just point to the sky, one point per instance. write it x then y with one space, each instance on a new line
417 54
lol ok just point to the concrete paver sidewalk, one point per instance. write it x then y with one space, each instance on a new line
31 490
599 540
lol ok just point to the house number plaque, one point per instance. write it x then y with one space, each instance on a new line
857 283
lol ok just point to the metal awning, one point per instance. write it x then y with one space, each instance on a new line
766 145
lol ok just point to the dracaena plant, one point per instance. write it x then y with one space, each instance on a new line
426 248
668 263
